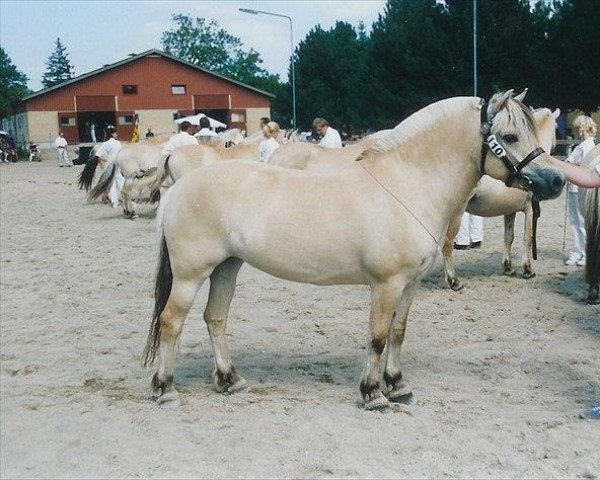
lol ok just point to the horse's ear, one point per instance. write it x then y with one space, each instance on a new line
498 101
556 113
521 96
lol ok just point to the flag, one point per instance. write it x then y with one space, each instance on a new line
135 136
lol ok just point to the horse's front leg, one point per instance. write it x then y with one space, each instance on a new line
222 288
384 297
509 236
452 279
397 389
528 242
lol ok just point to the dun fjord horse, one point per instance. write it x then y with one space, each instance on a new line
589 203
491 198
190 157
380 221
137 162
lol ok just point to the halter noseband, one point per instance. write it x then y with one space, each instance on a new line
491 142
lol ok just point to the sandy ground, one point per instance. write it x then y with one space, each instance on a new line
500 371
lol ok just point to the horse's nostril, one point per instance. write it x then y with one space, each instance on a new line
558 182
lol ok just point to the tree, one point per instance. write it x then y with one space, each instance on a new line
13 84
58 67
573 39
208 46
328 64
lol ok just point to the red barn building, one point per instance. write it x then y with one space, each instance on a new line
154 87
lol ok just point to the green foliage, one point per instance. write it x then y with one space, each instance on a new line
205 44
417 52
327 66
208 46
13 84
58 66
573 39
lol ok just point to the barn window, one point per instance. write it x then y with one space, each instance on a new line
238 117
129 89
125 119
67 121
178 89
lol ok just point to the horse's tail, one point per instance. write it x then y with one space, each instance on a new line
104 182
86 176
591 215
162 290
162 173
537 211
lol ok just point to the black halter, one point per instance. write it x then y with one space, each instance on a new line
491 142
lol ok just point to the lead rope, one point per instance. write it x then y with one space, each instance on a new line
401 203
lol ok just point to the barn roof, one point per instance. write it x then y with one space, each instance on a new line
149 53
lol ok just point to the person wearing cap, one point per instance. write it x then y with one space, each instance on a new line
108 152
206 133
61 145
179 139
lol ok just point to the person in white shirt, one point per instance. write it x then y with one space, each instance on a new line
330 138
63 157
206 134
585 129
180 139
108 151
269 144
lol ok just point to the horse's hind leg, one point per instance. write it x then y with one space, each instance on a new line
509 236
397 389
222 288
126 195
528 242
171 323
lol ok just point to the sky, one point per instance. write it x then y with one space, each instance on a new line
96 33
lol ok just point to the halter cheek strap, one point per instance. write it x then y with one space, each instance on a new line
491 142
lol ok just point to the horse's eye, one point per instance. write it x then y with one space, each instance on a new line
510 138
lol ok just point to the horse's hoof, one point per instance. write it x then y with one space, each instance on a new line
169 400
400 394
528 275
238 386
377 404
457 286
510 273
133 216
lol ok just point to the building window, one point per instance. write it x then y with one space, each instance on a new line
67 121
178 89
129 89
126 119
238 117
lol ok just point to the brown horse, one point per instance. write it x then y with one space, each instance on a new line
380 221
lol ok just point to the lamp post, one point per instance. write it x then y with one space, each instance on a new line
475 48
257 12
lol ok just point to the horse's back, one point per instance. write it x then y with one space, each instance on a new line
133 157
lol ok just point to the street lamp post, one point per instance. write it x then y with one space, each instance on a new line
475 48
257 12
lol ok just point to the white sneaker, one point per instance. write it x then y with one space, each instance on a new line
573 259
581 262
